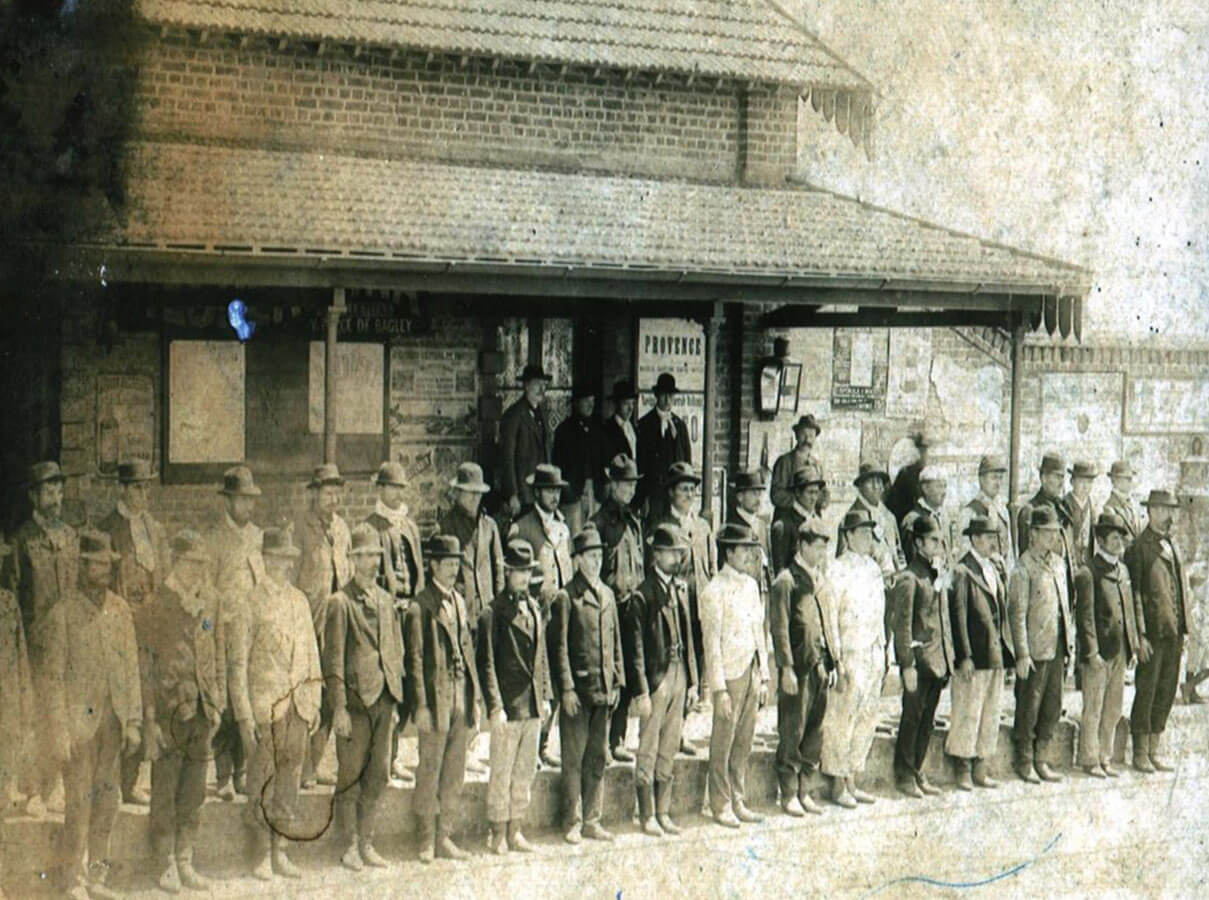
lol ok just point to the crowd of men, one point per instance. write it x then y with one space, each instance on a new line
607 597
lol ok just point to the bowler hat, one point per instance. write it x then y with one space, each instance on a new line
991 463
1162 498
870 470
748 481
811 528
533 372
587 539
518 554
237 481
1121 469
981 525
807 421
1109 521
1043 518
1083 469
546 476
1052 462
443 546
96 545
391 473
680 471
665 384
667 537
581 390
736 534
923 526
807 475
324 475
45 471
920 440
279 542
135 470
624 390
931 473
622 468
189 544
366 541
469 477
856 518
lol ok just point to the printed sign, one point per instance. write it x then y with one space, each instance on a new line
206 396
676 346
359 388
859 369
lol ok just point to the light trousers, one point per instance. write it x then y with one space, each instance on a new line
659 733
1103 689
730 741
850 721
513 767
974 721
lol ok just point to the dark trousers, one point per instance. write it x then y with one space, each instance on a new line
363 766
619 723
442 766
318 740
582 741
92 795
915 726
1038 708
178 788
130 771
1155 686
800 732
230 759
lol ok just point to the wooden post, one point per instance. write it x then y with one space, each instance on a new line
334 312
712 324
1014 430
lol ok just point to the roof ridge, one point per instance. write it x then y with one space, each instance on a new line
800 26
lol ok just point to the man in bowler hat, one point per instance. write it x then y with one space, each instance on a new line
1078 502
807 485
576 452
1120 500
871 481
524 441
806 433
663 439
617 433
989 504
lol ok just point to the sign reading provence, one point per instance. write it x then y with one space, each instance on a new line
676 346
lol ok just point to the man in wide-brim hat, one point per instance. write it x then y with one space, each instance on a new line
808 483
525 441
806 431
871 482
988 502
663 439
1120 500
1078 503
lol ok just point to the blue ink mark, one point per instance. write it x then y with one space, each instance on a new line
751 853
206 626
619 895
935 882
237 316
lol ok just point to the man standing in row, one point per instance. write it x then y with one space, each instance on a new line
1078 503
482 573
905 491
1053 476
888 551
1120 501
784 492
931 504
663 440
617 434
577 444
524 441
988 504
807 486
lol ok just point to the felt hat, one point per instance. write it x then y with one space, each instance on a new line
1043 518
991 463
581 390
1109 521
665 384
931 473
805 476
443 546
546 476
533 372
748 481
45 471
135 470
1121 469
279 542
923 526
624 389
981 525
870 470
678 472
622 468
366 541
1162 498
1052 462
811 528
96 545
518 554
469 477
391 473
736 534
324 475
1083 469
189 544
856 518
237 481
587 539
667 537
807 421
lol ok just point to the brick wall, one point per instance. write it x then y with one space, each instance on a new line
438 108
771 134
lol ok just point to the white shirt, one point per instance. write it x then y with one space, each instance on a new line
732 627
666 425
860 601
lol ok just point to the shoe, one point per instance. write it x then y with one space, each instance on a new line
793 807
666 823
808 804
497 839
94 881
1046 773
307 783
352 861
550 761
663 806
747 815
621 754
517 841
1095 771
1160 764
326 780
841 796
596 832
1141 754
726 819
372 857
574 835
1109 770
189 876
652 828
926 786
646 810
263 870
241 783
226 792
910 788
426 828
35 808
447 849
982 775
686 748
137 797
170 879
857 794
403 775
473 764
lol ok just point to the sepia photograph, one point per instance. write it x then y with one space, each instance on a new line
604 449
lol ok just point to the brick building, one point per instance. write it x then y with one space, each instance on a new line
428 198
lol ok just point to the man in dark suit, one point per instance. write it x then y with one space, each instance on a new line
905 491
661 671
1159 580
362 661
807 484
923 646
663 439
1107 625
524 441
1053 476
143 545
1078 504
805 432
980 621
804 649
617 434
1120 501
576 451
443 683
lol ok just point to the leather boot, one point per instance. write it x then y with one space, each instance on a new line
1141 753
516 840
964 781
806 801
445 847
426 827
282 864
497 840
663 807
840 795
1160 764
170 879
982 774
185 838
262 869
646 811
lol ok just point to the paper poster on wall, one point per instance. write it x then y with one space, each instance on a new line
1167 405
907 378
839 451
433 394
859 369
1081 415
766 441
676 346
360 387
691 408
813 348
557 337
971 407
206 412
512 338
125 420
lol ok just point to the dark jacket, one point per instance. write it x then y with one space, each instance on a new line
978 614
621 532
655 453
784 537
1157 578
362 651
524 444
180 653
482 573
41 570
132 582
576 452
652 623
1105 610
401 571
923 635
905 491
432 638
513 665
586 635
613 441
801 627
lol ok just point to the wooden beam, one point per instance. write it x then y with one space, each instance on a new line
788 317
1015 411
712 326
334 312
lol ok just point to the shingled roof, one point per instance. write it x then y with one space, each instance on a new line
217 199
750 40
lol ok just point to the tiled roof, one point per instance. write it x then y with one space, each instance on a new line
750 40
265 201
